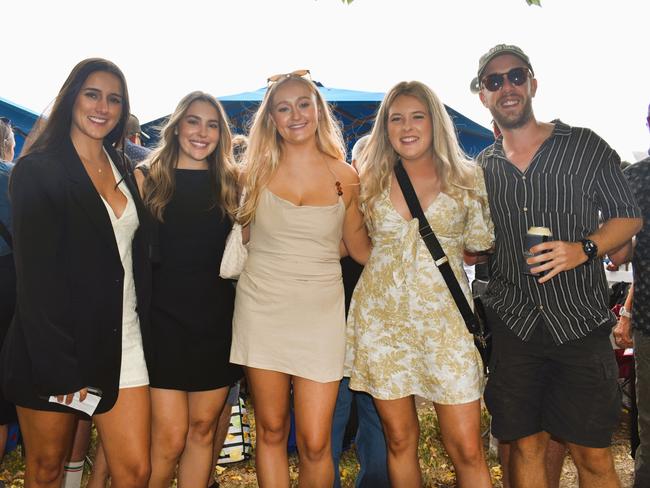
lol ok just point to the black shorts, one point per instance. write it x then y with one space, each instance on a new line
570 391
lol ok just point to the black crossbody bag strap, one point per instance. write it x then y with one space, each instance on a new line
4 233
439 257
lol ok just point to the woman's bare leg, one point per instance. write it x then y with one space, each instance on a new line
125 431
314 407
270 392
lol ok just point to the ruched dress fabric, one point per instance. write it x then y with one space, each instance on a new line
405 335
133 368
191 305
289 310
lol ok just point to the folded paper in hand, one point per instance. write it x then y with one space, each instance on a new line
88 406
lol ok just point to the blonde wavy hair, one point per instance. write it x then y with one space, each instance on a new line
378 158
160 182
265 144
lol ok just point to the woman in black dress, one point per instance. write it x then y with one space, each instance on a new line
190 188
83 283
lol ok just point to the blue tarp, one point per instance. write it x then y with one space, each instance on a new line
21 118
355 109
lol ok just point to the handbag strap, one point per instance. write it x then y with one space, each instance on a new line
4 233
439 258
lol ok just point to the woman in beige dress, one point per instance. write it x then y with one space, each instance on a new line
406 336
289 325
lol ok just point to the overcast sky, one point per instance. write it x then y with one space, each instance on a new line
590 56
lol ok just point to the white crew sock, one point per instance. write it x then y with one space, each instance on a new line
72 473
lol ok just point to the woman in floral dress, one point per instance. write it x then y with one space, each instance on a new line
405 334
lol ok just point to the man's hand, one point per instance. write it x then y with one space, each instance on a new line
556 256
623 333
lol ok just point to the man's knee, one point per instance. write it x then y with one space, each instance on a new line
530 447
596 461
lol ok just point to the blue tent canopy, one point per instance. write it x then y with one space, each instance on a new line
355 109
22 120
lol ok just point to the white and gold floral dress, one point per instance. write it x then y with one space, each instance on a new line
405 335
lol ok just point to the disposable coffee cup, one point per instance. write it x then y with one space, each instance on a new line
534 236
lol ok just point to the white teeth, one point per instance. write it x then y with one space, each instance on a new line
409 139
297 126
97 120
199 144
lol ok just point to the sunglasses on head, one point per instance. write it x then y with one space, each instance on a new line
516 76
299 73
5 120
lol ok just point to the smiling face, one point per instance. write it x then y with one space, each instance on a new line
410 129
198 132
98 106
294 112
511 106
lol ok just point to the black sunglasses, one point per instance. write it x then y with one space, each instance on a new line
5 120
516 76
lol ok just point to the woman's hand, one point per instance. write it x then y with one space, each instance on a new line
68 398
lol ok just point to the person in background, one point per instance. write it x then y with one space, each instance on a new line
133 147
189 185
369 441
552 370
289 321
239 146
633 328
81 320
406 336
7 268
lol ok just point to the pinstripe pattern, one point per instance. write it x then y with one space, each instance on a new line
639 177
572 178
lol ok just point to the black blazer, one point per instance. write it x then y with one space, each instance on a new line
67 330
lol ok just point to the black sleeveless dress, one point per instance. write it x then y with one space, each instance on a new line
192 306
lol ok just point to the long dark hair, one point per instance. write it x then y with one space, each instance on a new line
51 130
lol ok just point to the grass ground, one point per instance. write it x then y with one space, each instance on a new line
436 467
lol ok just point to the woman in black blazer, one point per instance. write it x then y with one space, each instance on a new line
83 283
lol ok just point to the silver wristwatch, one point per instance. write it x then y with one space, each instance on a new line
624 312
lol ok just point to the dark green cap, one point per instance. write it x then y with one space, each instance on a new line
498 50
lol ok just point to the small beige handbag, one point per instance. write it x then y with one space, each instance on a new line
235 253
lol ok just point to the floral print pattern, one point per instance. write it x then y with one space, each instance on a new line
405 334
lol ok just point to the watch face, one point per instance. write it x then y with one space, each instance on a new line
589 248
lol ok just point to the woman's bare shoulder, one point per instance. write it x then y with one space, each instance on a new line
345 173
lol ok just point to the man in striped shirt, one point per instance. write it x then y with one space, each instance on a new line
552 370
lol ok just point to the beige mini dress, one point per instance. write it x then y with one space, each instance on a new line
289 307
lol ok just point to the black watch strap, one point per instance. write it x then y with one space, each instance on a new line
590 248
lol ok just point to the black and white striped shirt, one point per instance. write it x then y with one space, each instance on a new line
573 176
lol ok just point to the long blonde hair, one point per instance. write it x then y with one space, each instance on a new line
265 144
161 181
378 159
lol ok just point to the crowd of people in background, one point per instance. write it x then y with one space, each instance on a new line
112 309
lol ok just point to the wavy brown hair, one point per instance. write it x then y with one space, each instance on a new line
265 144
160 182
379 158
